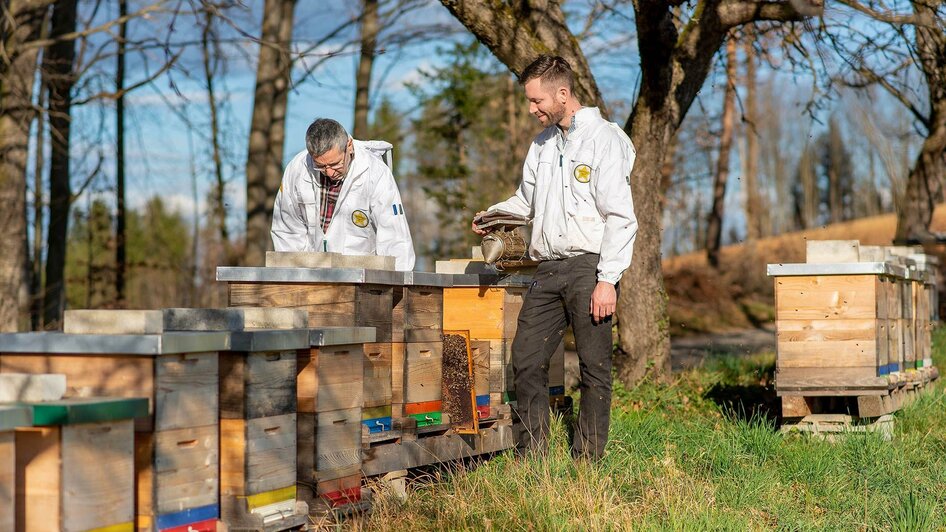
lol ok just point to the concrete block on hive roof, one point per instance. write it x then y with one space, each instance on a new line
314 259
181 319
234 319
113 322
30 387
832 251
299 259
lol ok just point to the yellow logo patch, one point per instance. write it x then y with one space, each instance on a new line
582 173
359 218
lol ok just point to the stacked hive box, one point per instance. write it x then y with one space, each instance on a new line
176 446
924 300
257 412
75 465
841 325
329 426
834 325
330 376
11 418
417 350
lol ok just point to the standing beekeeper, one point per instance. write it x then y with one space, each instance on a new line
338 195
576 188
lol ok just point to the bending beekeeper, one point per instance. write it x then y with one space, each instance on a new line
576 188
338 195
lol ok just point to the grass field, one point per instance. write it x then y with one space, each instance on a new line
700 453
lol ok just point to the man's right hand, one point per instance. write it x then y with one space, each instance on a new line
476 229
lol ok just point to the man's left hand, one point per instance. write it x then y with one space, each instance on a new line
603 301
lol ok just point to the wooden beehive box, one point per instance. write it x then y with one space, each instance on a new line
75 468
331 398
837 325
330 377
257 380
176 444
377 375
418 314
488 312
329 445
11 418
333 297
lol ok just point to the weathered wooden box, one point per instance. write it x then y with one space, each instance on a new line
75 468
417 314
377 375
11 418
333 297
838 326
330 377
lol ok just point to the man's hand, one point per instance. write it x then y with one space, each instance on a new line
476 229
603 301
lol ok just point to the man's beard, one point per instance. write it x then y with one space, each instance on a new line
557 115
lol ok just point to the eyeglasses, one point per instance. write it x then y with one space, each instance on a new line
337 167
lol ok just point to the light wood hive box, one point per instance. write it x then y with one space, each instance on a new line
836 330
75 468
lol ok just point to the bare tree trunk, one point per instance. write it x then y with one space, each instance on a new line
58 66
268 127
924 183
714 226
120 262
220 206
369 37
39 166
755 215
20 22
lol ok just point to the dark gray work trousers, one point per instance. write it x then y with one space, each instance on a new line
560 295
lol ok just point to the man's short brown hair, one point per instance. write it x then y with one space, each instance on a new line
553 71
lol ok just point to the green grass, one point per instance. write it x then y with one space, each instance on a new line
692 455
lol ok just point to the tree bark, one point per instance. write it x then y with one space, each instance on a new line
58 67
219 192
517 32
268 127
369 37
924 186
756 220
120 262
20 22
39 165
714 226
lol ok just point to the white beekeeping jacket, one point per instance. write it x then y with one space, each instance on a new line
369 217
577 190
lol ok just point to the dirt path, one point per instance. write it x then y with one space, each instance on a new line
692 351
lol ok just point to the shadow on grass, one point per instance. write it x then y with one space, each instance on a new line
746 393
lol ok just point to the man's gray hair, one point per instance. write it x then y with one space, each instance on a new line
323 135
